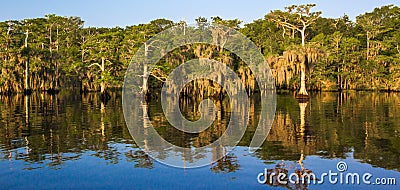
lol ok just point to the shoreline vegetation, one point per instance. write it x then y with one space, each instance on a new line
304 50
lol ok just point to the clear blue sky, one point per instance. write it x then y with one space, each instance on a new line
129 12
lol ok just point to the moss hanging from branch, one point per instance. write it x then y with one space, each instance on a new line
285 67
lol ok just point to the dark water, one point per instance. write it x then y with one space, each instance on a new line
75 141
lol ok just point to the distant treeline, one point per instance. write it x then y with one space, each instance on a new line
57 52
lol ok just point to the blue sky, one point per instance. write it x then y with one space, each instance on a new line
102 13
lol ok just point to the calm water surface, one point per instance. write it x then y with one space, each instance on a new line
75 141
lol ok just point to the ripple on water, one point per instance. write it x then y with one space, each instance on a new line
78 133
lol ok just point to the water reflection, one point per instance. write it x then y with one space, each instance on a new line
45 129
332 125
46 132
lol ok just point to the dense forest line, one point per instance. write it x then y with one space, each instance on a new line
302 48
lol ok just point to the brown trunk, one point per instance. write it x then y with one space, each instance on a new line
51 57
368 45
27 86
303 90
145 72
145 78
56 74
102 84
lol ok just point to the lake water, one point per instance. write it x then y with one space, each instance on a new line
75 141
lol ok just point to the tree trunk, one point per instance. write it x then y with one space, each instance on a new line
27 86
102 84
51 58
367 45
303 90
303 37
145 72
57 76
145 79
338 78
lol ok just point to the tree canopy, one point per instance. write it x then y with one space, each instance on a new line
58 52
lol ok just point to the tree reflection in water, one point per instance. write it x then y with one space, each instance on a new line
46 131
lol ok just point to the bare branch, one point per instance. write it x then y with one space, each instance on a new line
95 64
162 79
